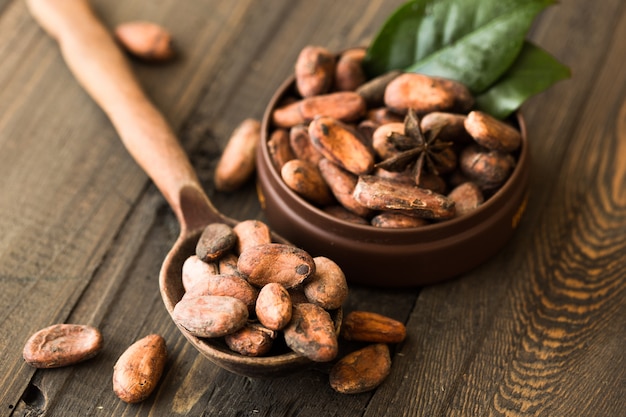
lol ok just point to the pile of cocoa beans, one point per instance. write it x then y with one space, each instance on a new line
249 292
330 132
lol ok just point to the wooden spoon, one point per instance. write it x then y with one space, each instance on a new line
104 72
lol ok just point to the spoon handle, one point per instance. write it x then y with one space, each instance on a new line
103 71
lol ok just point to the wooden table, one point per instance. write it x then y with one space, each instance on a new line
539 330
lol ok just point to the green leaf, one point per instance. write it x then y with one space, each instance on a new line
479 58
534 71
420 28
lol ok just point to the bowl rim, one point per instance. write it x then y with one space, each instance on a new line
434 230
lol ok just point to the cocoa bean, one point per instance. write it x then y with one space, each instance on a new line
361 370
349 74
237 163
301 144
382 115
311 333
342 183
388 195
225 285
492 133
210 315
216 239
138 370
390 220
251 233
431 182
366 326
426 94
251 340
373 91
383 146
451 126
341 145
314 70
467 197
145 40
367 128
196 270
279 148
346 106
305 179
62 345
275 262
489 169
326 288
273 306
228 264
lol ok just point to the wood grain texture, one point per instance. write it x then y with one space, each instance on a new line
539 330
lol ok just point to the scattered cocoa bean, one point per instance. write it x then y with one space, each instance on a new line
349 74
251 233
492 133
342 183
388 195
305 179
467 197
390 220
327 287
216 239
62 345
341 145
275 262
210 315
311 333
426 94
138 370
196 270
279 148
237 163
361 370
145 40
251 340
314 70
273 306
366 326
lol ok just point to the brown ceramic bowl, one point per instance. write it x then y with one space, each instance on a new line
392 257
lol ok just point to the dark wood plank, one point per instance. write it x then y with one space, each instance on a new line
539 330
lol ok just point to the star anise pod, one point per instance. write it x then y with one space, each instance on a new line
426 151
